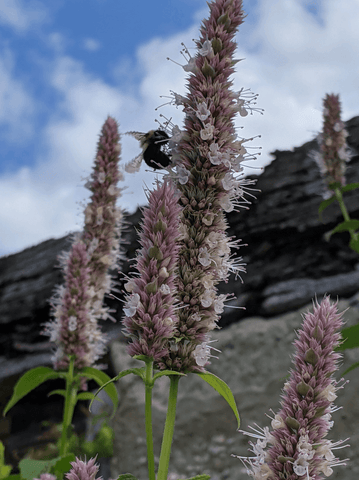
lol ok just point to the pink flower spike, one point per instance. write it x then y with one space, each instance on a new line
207 172
298 447
78 305
103 218
83 470
150 317
70 330
334 152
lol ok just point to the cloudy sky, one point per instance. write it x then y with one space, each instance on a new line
65 65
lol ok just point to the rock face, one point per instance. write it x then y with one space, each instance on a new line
288 262
255 359
288 259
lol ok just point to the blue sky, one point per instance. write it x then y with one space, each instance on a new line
67 64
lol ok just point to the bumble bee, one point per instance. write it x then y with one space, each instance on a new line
152 153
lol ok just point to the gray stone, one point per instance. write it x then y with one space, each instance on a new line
255 358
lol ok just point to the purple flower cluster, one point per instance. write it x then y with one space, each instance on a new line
103 218
150 319
333 148
83 470
298 447
208 157
70 329
78 305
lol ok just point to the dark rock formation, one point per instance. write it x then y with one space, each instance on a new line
288 260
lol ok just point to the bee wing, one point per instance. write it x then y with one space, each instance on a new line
138 135
134 165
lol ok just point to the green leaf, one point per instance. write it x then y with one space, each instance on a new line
143 358
346 226
29 381
31 469
57 392
104 381
351 338
126 476
223 389
62 465
87 396
352 367
354 245
349 187
13 477
136 371
168 373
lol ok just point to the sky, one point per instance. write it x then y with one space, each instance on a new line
65 65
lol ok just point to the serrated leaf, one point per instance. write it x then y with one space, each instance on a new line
57 392
223 389
126 476
168 373
104 381
29 381
350 336
31 469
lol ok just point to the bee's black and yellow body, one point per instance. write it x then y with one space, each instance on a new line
152 144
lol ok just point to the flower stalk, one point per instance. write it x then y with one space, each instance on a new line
69 406
148 417
169 429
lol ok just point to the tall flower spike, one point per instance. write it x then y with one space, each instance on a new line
77 306
298 447
333 147
207 159
103 218
150 318
83 470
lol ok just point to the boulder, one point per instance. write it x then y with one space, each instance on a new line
255 359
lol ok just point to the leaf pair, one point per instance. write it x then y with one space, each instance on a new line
35 377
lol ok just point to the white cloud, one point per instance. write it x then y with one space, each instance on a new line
91 44
292 61
16 105
22 14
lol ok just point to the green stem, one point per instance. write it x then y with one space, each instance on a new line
148 414
70 402
169 428
339 197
